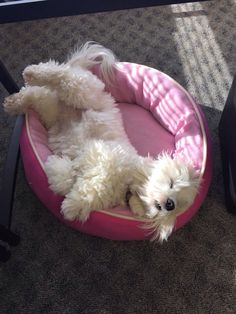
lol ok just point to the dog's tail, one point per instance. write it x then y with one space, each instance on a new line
91 54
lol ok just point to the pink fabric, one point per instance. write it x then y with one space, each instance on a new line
166 118
168 102
39 136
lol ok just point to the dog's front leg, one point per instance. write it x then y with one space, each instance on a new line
136 205
81 200
40 99
16 103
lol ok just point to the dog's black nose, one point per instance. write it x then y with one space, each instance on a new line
169 205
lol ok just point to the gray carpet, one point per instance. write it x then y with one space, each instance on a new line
57 270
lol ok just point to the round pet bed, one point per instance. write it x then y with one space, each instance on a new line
158 115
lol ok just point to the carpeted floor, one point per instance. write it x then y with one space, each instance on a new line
57 270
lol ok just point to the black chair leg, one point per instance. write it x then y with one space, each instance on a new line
230 198
5 254
10 238
227 132
9 174
7 81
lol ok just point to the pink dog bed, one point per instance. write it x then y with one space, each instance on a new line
158 115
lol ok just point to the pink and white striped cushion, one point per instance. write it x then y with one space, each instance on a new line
169 104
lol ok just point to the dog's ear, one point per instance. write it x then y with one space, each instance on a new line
143 169
161 227
91 54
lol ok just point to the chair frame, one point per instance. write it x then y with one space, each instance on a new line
9 173
22 10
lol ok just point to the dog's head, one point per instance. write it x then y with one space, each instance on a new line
169 190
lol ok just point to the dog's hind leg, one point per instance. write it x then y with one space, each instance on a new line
45 74
84 197
77 88
40 99
61 176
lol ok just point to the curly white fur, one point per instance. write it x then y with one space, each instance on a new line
93 163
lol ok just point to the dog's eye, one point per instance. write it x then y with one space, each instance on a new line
157 205
171 184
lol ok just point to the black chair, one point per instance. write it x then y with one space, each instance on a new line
227 134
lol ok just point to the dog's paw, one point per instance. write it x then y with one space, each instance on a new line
136 206
13 103
30 74
151 212
44 73
72 211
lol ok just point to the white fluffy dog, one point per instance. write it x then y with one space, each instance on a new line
93 163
